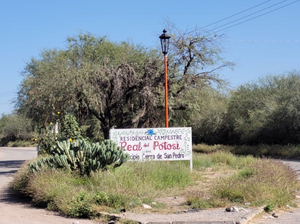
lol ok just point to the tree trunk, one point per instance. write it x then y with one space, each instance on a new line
106 132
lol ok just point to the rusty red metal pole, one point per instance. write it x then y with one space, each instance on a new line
166 91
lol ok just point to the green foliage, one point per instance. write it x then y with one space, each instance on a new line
22 143
261 150
180 177
110 200
221 158
260 182
224 158
70 128
128 187
92 76
269 208
92 130
80 206
3 121
245 173
15 127
47 136
262 112
207 115
82 156
45 139
265 182
267 111
204 148
120 84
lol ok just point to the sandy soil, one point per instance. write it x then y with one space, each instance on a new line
203 215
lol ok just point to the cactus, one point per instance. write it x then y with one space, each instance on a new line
80 154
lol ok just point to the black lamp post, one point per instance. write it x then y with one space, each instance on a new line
164 40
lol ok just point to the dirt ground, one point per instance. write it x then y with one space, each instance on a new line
178 211
15 210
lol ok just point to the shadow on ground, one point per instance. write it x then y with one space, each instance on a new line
8 172
11 163
7 196
8 168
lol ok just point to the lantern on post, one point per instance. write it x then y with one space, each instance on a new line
164 41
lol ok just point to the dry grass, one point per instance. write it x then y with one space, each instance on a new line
264 182
262 150
218 179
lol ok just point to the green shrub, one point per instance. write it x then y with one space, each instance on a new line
78 206
69 130
14 127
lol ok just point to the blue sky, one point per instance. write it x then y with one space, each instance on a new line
268 44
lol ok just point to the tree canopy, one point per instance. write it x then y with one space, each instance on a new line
121 84
267 111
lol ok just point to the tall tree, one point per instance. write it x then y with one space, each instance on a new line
267 111
194 65
121 84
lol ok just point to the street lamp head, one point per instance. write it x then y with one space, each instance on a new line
164 41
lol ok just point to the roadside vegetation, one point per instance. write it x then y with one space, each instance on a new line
15 130
263 182
263 113
218 179
70 98
291 151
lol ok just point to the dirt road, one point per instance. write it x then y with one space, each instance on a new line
12 210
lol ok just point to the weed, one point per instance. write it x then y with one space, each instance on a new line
224 158
263 182
201 200
201 161
21 179
78 206
203 148
259 181
110 200
244 173
269 208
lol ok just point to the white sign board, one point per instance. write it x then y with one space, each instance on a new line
161 144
